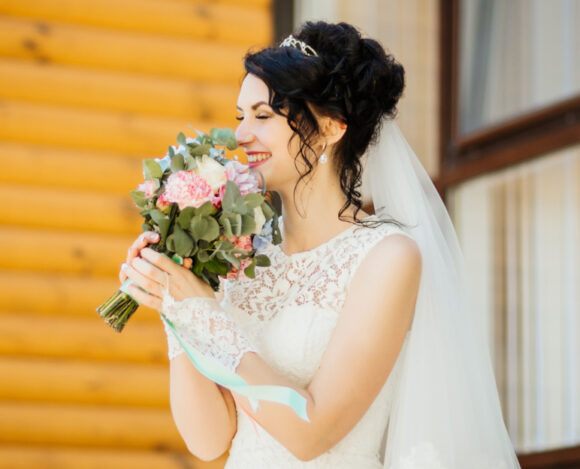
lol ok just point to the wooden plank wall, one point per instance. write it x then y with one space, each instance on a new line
87 89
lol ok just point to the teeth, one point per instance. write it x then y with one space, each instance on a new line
258 157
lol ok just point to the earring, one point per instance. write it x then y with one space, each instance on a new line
323 158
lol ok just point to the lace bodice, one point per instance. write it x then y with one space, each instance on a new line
289 312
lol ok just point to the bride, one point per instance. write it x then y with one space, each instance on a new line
363 315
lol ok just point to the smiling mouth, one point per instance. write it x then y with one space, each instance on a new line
254 158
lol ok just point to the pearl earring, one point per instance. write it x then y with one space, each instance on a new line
323 158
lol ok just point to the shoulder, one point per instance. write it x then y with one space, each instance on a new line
390 240
393 257
398 247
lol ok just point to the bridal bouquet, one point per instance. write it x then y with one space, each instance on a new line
205 207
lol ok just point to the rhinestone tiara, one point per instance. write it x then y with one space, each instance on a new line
291 41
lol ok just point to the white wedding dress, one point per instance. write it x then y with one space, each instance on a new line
289 312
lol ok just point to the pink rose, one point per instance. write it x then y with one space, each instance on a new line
186 189
148 187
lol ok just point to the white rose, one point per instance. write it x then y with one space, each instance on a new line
213 172
260 219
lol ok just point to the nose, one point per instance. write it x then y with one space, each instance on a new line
243 134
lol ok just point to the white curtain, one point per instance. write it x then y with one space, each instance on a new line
520 231
516 56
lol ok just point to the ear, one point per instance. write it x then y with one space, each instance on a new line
331 129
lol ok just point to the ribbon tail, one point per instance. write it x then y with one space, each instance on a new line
221 375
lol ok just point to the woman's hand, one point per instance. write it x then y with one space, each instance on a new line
155 272
145 238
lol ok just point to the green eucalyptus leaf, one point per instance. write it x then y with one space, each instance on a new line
224 245
152 169
200 150
171 151
253 200
262 260
198 227
219 255
183 242
139 198
190 162
181 138
197 268
177 163
232 259
214 265
170 242
185 217
268 210
194 250
233 200
206 209
213 229
236 222
248 225
162 221
225 137
227 226
250 271
198 132
202 256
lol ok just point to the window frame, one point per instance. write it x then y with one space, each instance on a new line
504 144
514 140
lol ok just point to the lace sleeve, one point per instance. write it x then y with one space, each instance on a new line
203 323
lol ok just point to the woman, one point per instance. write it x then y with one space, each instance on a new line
357 312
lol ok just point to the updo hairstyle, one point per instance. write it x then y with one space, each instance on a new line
351 80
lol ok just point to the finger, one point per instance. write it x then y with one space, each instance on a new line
144 298
122 274
149 270
153 287
145 238
160 260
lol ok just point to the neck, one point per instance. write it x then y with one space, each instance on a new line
311 217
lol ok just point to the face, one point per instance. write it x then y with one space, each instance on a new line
265 136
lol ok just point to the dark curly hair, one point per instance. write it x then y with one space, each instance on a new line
351 79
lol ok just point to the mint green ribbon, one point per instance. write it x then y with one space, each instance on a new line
228 379
124 287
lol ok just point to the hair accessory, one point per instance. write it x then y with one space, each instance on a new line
323 158
291 41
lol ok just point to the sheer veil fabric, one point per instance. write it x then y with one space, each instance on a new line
446 412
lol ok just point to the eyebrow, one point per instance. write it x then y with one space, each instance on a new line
254 106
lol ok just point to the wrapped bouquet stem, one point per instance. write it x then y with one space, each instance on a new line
205 207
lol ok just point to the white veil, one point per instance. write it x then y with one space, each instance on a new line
446 412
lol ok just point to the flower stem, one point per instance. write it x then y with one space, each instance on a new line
117 310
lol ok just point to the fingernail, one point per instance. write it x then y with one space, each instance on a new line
155 236
123 267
